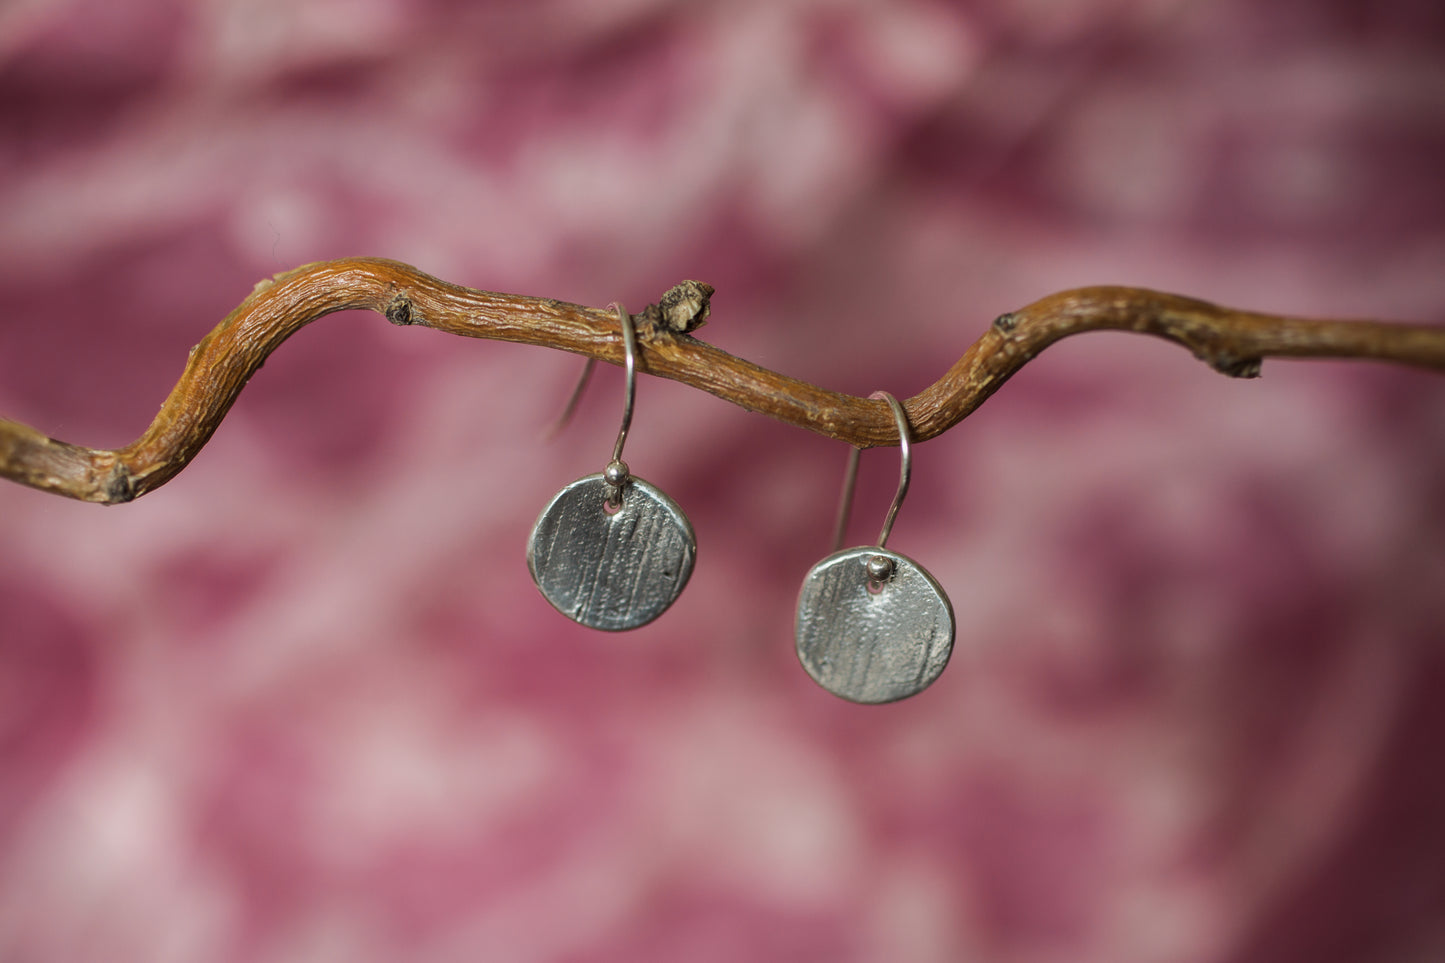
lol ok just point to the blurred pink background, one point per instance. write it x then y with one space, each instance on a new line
304 703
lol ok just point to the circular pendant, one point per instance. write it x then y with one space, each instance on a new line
611 570
873 641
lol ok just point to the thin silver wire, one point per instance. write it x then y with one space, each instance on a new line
905 468
565 418
845 501
629 347
850 476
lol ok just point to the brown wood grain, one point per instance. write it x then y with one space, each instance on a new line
1232 342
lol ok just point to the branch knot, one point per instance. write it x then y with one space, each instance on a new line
399 311
682 310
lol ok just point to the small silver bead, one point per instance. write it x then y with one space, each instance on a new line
880 568
615 474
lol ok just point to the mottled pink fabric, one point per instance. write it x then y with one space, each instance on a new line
304 704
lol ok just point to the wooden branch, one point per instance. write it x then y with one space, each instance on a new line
1232 342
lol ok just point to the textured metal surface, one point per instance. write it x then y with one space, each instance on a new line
616 571
873 647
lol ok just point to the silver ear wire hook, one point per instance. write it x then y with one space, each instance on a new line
629 349
630 346
873 626
616 473
850 476
905 469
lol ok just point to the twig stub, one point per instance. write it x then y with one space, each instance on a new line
682 310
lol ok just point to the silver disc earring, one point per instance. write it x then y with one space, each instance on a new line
873 626
611 551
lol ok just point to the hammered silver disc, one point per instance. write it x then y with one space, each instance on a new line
611 571
873 646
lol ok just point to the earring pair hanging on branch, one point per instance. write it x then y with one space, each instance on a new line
873 626
611 551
